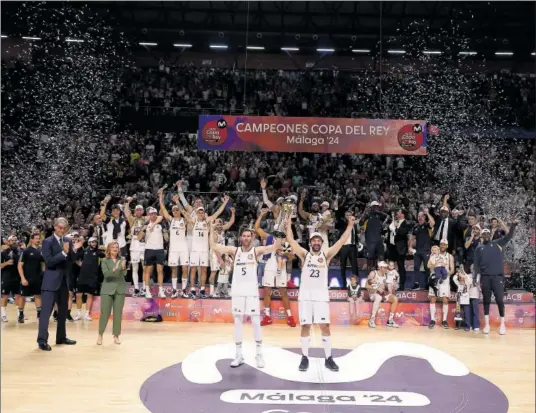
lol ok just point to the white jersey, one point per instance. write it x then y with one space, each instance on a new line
135 229
245 283
314 278
442 259
271 265
378 282
220 238
177 235
121 236
200 236
154 240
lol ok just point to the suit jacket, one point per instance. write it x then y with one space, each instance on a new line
451 233
56 264
401 237
114 281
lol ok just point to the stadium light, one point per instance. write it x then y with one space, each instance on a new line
360 51
31 38
290 49
255 47
218 46
182 45
325 50
4 36
431 52
148 44
74 40
504 53
532 54
467 53
396 51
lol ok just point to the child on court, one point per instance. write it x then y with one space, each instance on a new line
462 297
354 297
223 277
392 279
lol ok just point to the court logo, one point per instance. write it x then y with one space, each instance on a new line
215 132
411 137
409 375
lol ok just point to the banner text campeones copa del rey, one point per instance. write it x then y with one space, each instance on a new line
305 129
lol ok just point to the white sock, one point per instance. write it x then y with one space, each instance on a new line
391 316
486 320
445 311
259 347
267 310
160 289
375 308
238 329
305 346
238 349
289 313
184 283
135 279
432 311
257 332
502 321
326 341
143 285
211 289
192 289
3 311
174 283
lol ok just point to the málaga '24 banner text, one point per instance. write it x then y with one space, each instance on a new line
322 135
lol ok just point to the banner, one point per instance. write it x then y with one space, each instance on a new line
320 135
220 311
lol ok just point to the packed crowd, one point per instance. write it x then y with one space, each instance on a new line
497 98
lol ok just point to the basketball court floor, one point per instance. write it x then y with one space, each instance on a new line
184 367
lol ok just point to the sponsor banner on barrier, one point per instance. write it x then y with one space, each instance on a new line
403 296
321 135
219 311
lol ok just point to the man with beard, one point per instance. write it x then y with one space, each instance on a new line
319 220
445 228
31 267
245 290
489 263
372 220
178 246
440 288
10 276
199 255
313 304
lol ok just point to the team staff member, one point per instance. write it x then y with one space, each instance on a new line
372 221
31 267
88 281
116 225
420 244
349 249
489 263
10 276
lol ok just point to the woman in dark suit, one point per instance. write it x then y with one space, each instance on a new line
112 291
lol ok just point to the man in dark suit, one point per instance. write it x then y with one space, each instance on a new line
445 228
57 252
402 232
349 249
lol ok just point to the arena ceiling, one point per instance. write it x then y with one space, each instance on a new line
490 26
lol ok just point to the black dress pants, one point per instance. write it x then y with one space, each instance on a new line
48 299
348 252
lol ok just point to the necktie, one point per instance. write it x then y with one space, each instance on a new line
353 235
440 232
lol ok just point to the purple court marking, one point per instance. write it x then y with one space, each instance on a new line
168 391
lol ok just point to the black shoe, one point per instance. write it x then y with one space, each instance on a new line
457 325
55 316
304 364
44 347
330 364
66 341
202 294
445 325
415 286
69 317
21 318
432 324
38 314
136 293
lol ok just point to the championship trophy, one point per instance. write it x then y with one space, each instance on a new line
285 212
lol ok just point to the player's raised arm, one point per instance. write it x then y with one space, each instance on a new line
214 246
126 210
220 209
231 221
163 209
183 200
296 248
268 249
332 251
260 232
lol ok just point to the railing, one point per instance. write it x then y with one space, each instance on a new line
181 111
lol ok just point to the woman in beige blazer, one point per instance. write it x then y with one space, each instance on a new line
112 294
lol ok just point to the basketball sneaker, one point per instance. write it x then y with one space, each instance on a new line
391 323
161 294
502 330
185 294
445 325
330 364
21 318
372 323
175 294
78 316
87 317
238 361
486 329
137 293
304 364
290 321
266 320
432 324
148 293
260 360
202 294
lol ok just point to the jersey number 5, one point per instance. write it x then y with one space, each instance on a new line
244 272
314 273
